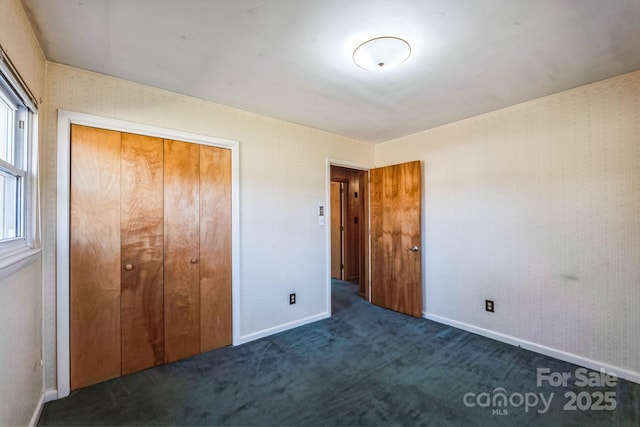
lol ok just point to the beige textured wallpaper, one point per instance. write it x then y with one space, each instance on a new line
21 293
20 325
21 45
537 207
282 181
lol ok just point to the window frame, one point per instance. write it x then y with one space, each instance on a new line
18 251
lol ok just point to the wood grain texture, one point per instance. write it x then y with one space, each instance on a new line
181 246
142 248
353 210
364 236
353 200
336 230
396 273
94 256
215 247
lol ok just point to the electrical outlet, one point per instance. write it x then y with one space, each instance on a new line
488 305
292 299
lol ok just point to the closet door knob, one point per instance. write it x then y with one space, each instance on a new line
128 267
194 260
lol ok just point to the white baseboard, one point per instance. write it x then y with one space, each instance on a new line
538 348
50 395
47 396
36 412
281 328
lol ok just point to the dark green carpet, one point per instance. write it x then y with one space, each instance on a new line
365 366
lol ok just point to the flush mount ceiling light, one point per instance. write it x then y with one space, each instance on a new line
381 53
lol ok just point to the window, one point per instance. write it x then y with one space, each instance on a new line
12 168
17 118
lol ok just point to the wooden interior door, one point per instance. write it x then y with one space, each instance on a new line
396 269
181 250
215 242
142 241
94 256
336 230
352 216
364 236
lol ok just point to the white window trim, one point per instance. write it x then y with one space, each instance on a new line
16 254
19 252
65 120
16 261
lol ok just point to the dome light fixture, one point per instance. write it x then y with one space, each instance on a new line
381 53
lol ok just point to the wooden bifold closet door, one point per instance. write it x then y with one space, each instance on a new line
150 252
94 258
182 246
141 214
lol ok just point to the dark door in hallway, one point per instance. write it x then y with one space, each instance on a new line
354 228
337 230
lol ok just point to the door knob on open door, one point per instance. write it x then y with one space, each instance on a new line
194 260
414 249
128 267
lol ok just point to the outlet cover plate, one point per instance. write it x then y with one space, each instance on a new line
488 305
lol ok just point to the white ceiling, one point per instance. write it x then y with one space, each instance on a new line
292 59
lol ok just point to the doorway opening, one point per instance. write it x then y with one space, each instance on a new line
349 228
378 230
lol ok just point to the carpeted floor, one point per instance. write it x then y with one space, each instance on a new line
365 366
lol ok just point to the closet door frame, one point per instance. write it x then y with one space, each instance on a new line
65 120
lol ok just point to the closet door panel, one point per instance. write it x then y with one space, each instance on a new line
181 246
94 256
215 247
142 252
